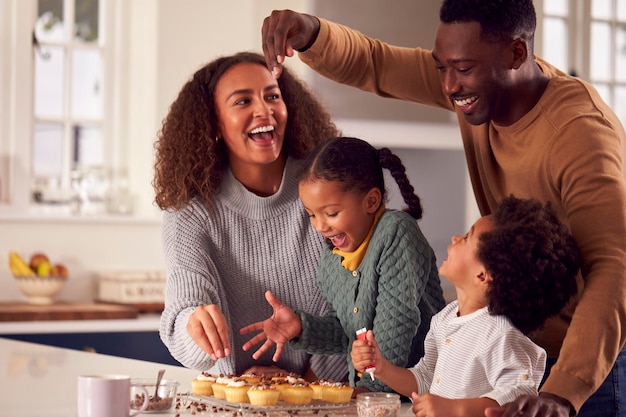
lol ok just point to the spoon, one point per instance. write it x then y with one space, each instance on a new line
158 382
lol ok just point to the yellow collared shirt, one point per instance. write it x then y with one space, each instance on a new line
352 260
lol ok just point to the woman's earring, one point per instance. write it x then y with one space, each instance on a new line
217 139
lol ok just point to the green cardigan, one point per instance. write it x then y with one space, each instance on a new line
394 292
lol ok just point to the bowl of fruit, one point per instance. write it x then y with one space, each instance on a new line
39 279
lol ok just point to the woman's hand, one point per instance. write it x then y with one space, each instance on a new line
281 327
208 327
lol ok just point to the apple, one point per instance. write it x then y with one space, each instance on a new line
44 269
36 259
61 270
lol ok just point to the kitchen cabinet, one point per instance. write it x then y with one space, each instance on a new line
133 345
129 338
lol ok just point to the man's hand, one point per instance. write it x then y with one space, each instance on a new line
545 405
208 327
283 32
281 327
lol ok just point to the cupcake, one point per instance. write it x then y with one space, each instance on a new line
263 394
337 392
296 379
280 376
252 378
219 385
201 385
298 394
318 386
280 383
237 391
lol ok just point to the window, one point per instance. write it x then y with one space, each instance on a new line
588 38
63 109
68 104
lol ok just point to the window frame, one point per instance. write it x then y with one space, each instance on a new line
17 107
578 23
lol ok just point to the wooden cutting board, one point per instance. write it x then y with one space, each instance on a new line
16 311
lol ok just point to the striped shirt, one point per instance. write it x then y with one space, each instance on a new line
478 355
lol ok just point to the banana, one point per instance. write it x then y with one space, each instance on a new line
18 266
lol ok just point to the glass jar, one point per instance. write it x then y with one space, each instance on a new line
377 404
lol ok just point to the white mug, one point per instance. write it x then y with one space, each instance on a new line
107 396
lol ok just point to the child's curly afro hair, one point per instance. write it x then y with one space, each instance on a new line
533 260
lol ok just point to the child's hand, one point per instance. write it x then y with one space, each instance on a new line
432 405
281 327
365 353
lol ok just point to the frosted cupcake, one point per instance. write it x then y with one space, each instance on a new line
280 383
263 394
337 393
236 391
318 386
219 385
252 378
298 394
202 384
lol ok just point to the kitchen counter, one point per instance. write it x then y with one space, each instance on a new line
41 381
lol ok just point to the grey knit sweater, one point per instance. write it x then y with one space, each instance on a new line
230 256
394 292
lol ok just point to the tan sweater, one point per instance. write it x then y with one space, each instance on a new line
569 149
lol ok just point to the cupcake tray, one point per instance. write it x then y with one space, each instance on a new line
315 407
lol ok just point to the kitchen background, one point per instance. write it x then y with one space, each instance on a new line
164 42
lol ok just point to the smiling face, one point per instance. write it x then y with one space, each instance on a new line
344 217
252 115
474 73
462 263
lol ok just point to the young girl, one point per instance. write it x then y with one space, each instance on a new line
378 272
512 271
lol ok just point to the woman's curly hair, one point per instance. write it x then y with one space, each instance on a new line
191 163
533 260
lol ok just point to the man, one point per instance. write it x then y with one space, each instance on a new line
528 129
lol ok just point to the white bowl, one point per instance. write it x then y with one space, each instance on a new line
166 392
40 290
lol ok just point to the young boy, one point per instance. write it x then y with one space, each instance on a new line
511 271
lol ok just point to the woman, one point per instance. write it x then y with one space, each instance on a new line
233 224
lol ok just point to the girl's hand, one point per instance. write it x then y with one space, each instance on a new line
208 327
281 327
